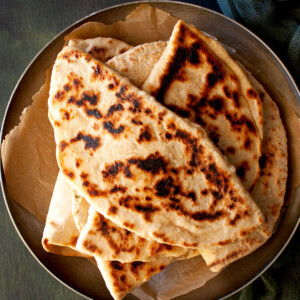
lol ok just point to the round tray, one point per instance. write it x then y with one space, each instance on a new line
260 60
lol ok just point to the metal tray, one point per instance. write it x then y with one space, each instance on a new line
266 67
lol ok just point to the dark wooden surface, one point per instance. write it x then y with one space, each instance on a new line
26 26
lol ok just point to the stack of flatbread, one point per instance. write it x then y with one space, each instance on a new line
167 150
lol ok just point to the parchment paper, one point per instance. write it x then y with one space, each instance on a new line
28 151
153 25
28 157
177 279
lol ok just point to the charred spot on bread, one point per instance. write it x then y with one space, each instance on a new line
145 135
94 113
109 126
90 141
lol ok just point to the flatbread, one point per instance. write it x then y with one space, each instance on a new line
135 161
137 63
102 48
270 189
60 233
102 238
196 78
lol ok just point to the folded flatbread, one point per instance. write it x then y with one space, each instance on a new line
139 164
102 48
140 54
196 78
269 191
60 233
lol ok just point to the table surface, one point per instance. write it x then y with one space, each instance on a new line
26 26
